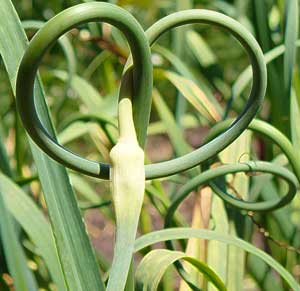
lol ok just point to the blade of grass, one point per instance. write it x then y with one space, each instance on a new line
176 136
275 77
92 99
179 50
246 76
88 94
197 248
73 131
35 224
260 9
260 271
14 253
184 70
200 49
290 37
215 249
158 127
185 233
4 160
295 117
194 95
81 185
155 263
95 64
236 257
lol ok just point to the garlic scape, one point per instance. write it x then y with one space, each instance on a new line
128 185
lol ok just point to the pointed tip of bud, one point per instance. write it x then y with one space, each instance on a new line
126 124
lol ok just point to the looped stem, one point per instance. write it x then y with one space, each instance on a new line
136 82
255 99
140 87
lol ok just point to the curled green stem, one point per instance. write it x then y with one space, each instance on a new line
141 82
137 82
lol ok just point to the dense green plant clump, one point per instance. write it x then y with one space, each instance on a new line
149 145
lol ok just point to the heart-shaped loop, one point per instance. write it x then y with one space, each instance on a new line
255 99
45 38
141 81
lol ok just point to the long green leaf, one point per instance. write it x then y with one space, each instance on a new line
179 50
15 257
245 77
275 77
295 117
262 275
14 253
194 95
154 265
73 245
92 99
291 35
185 71
200 49
4 160
176 136
95 64
236 257
35 224
88 94
185 233
216 250
73 131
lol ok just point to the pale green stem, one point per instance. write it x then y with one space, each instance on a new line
128 187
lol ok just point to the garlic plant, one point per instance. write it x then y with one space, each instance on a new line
65 245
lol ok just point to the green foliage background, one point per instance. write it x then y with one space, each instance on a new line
201 77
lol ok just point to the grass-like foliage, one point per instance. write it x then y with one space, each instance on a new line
149 145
